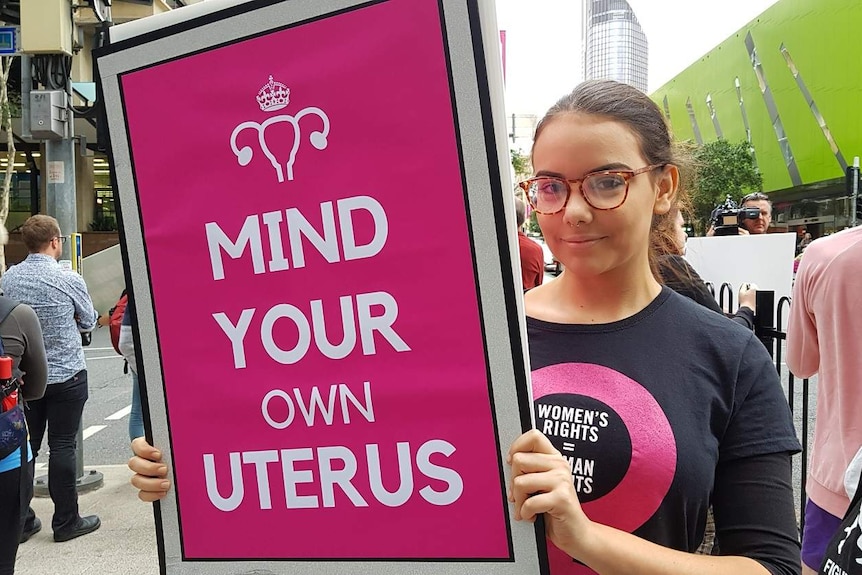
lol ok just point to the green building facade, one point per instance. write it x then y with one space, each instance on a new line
790 83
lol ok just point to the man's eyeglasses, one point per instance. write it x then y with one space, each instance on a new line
63 239
605 190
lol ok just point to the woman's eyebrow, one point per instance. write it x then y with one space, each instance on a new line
604 168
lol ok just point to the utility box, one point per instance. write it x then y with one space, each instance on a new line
46 27
48 114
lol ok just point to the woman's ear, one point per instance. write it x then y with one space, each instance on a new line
667 185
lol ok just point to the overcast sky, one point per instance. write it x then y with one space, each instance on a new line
543 59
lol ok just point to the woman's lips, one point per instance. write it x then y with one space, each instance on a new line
582 242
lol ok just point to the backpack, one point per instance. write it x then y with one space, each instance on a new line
13 427
116 322
844 551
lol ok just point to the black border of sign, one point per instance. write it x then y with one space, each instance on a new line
501 232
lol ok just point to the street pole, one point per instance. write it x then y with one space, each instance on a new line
853 177
60 192
61 203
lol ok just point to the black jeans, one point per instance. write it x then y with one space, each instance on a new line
15 494
60 409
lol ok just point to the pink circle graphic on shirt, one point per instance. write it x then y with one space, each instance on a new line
650 472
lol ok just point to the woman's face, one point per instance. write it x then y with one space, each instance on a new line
680 234
588 241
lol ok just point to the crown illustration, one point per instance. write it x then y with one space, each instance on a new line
273 96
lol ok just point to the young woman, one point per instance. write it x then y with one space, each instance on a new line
649 407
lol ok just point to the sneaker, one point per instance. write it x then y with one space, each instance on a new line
82 527
30 531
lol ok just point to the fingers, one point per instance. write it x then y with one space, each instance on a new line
548 488
532 441
141 448
536 462
150 473
537 469
553 502
150 496
148 468
149 479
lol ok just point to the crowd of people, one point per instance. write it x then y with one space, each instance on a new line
628 324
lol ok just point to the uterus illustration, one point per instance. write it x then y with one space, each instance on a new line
272 97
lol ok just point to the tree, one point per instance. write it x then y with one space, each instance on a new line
723 169
6 127
521 164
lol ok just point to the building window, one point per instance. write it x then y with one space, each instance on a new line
105 216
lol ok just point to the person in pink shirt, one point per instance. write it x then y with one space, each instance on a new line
823 337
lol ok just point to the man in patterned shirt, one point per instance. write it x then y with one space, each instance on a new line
60 299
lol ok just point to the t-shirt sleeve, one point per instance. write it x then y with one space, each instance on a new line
803 347
760 421
744 316
33 361
754 516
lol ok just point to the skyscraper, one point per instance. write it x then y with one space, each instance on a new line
615 46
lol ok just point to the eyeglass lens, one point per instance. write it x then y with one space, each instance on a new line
601 190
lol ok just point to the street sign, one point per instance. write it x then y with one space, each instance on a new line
77 251
10 44
329 315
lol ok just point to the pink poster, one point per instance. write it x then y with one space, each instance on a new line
305 223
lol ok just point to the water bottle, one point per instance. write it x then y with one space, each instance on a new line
8 389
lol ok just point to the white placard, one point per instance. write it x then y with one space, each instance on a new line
344 66
56 173
764 259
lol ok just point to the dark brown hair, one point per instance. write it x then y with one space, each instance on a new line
629 106
38 231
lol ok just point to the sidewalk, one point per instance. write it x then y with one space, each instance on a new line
125 544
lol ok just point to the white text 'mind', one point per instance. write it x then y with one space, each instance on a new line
334 242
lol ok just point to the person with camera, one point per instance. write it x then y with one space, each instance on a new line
64 308
752 216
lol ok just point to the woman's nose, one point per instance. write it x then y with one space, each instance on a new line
577 209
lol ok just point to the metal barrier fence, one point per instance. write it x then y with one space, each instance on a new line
770 329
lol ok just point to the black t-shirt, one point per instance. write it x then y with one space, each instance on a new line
653 410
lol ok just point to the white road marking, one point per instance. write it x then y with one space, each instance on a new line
120 357
120 414
93 429
100 349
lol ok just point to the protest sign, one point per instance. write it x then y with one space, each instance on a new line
763 259
317 226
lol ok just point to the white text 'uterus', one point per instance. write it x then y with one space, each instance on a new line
275 96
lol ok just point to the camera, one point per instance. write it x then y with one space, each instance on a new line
727 218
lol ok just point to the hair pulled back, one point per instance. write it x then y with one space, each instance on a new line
629 106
